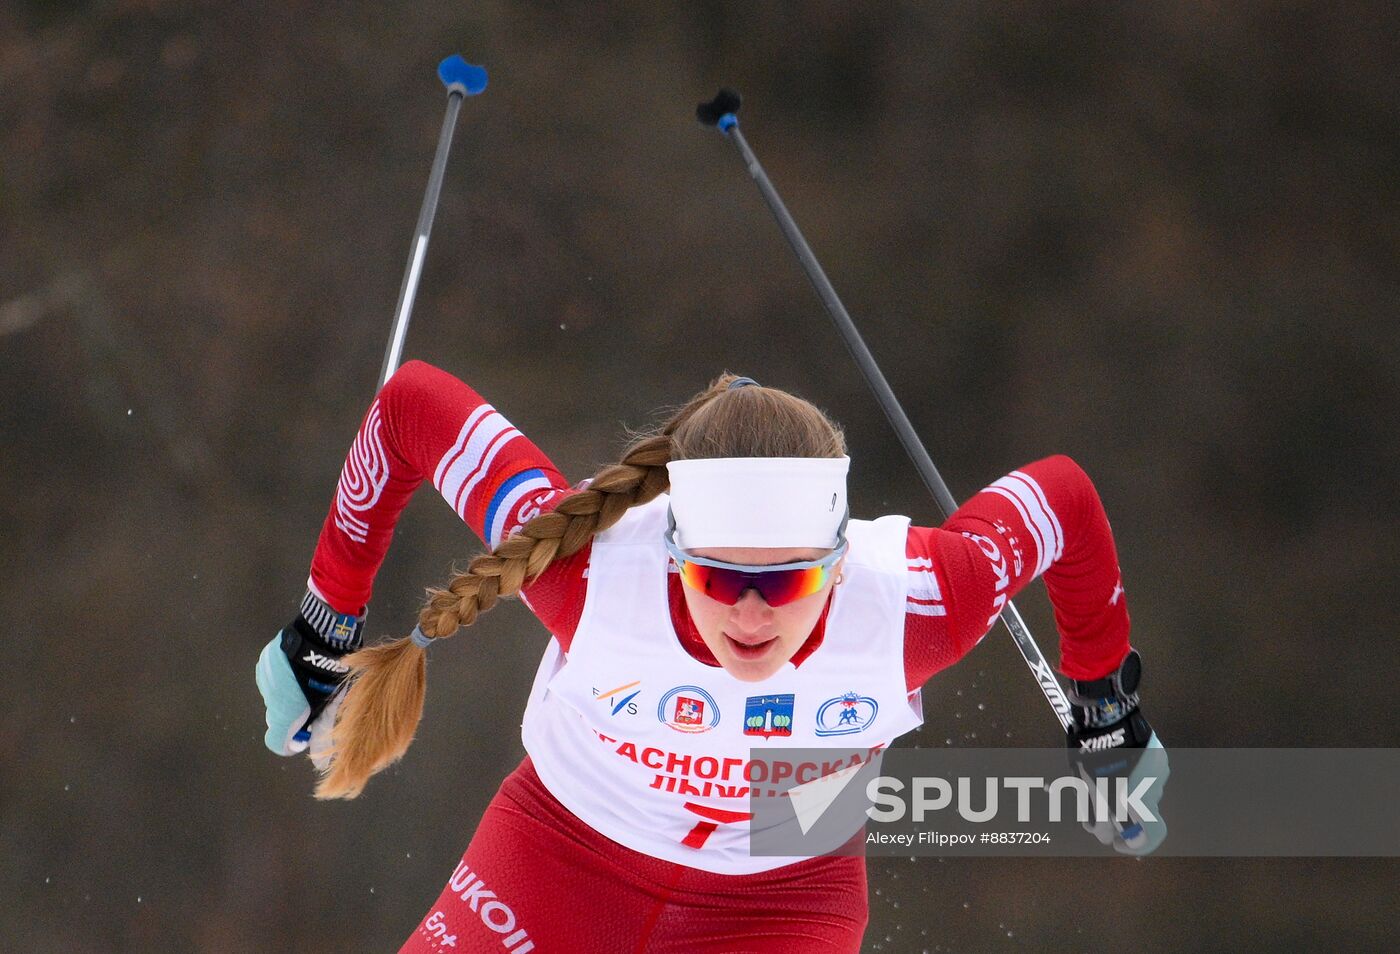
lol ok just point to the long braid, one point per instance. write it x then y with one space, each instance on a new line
383 699
561 533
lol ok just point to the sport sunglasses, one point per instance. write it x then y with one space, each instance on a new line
778 584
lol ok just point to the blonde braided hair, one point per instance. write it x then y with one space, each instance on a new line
383 700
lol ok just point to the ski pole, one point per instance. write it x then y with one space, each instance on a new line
720 113
462 79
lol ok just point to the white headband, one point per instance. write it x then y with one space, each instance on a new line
758 501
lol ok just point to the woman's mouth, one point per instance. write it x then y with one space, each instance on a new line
750 650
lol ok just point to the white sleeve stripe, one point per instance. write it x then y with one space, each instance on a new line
1030 501
483 467
462 468
459 446
924 584
1037 530
923 609
1041 499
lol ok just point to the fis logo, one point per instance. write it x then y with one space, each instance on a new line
846 714
620 699
767 716
688 709
1099 742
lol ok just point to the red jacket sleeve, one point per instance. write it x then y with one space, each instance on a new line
426 424
1045 518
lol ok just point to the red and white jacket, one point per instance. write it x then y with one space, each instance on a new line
1043 519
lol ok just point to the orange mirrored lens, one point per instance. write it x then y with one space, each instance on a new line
777 587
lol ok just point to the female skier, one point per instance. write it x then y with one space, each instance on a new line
706 595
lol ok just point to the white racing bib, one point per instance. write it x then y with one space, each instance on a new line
651 747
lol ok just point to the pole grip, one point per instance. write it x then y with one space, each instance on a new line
462 80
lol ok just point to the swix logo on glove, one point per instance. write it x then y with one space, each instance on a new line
1110 741
328 663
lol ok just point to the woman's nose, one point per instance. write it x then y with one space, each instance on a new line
752 610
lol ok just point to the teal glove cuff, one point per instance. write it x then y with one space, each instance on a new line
287 708
1140 836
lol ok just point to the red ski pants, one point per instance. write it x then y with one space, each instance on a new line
537 879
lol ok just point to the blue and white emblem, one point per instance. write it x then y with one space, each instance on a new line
768 716
846 714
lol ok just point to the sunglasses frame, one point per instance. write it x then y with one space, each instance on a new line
679 556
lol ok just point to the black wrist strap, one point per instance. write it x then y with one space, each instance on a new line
1121 685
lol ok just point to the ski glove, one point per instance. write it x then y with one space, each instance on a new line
300 670
1111 739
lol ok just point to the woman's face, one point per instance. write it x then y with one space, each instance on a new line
751 639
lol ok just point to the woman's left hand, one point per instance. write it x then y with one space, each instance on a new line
1111 739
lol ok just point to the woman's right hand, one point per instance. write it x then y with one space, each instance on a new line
300 670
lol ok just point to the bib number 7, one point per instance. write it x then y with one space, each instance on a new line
712 819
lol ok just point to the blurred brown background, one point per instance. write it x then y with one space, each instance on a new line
1161 238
